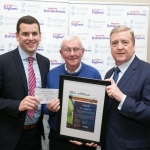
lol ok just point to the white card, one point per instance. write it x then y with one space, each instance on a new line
45 95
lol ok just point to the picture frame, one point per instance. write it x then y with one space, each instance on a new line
83 109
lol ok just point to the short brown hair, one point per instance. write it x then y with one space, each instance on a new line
27 20
123 28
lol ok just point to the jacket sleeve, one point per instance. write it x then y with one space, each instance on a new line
137 104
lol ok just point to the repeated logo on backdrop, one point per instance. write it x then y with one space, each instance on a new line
139 37
115 11
97 61
40 48
100 37
58 35
77 23
1 20
92 23
10 7
95 23
1 47
10 35
97 11
113 24
48 48
10 46
136 13
55 62
88 49
54 10
79 10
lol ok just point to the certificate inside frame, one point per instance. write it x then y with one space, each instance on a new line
83 109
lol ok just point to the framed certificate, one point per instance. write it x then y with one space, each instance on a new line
83 109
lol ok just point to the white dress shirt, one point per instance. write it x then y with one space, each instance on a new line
24 57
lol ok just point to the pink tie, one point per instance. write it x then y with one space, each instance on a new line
32 83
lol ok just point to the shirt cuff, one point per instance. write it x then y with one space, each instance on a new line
121 103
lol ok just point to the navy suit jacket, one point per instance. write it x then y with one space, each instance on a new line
129 128
13 88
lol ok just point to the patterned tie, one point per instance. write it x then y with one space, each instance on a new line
32 83
116 74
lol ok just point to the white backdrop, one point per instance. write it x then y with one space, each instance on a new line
92 22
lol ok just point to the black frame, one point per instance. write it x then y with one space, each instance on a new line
105 108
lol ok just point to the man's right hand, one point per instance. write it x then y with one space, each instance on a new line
29 103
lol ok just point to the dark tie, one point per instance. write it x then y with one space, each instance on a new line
115 77
116 74
31 82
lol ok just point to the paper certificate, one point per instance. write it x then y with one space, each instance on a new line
81 113
45 95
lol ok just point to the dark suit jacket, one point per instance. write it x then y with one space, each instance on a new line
13 88
129 128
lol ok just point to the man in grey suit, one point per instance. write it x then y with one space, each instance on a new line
18 130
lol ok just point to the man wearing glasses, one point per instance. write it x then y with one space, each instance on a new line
72 52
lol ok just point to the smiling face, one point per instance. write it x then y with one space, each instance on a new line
122 46
28 37
73 58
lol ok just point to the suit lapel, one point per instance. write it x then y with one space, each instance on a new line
110 72
20 67
108 75
128 73
125 78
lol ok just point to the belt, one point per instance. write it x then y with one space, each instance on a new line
30 127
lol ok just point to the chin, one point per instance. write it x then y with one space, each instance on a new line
73 65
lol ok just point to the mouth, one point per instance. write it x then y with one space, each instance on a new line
73 59
30 44
120 53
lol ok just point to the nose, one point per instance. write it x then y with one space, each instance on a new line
30 37
120 46
72 52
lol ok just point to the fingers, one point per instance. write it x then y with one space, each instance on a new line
29 103
54 105
113 91
110 80
87 144
34 99
76 142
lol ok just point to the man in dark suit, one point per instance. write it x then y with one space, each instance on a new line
18 130
128 122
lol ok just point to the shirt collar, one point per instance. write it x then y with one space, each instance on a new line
125 65
76 71
24 55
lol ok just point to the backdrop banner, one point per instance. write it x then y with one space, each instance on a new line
92 22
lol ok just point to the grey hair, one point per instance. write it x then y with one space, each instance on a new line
70 38
123 28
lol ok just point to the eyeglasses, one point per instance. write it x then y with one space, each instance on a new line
75 50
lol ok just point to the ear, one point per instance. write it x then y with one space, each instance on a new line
134 47
61 53
83 52
40 35
17 36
